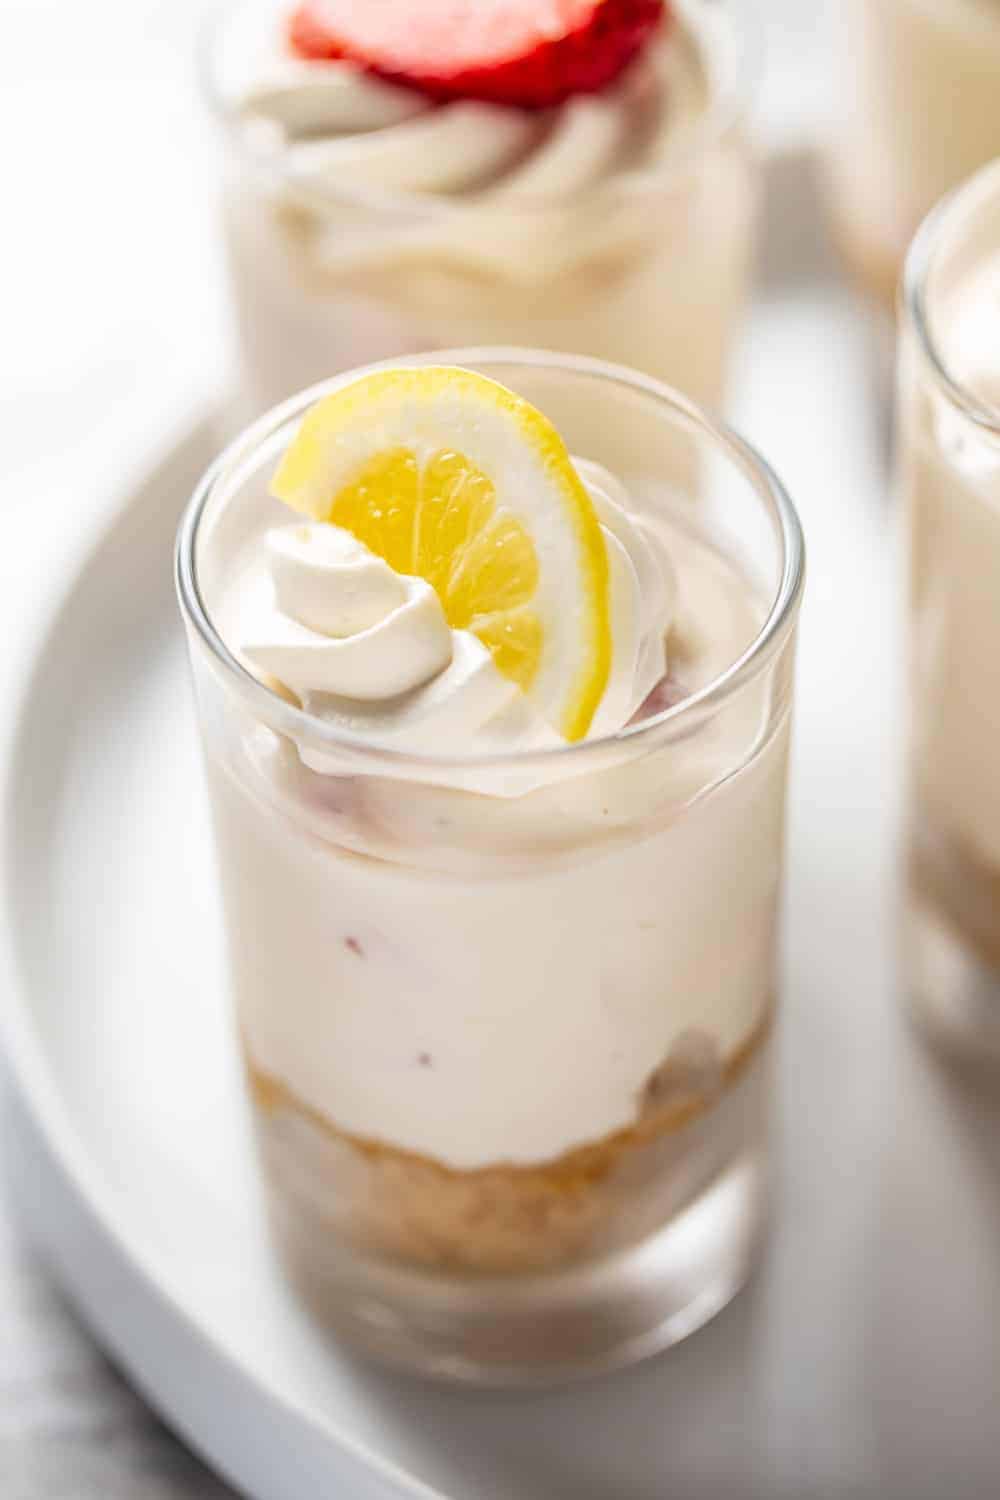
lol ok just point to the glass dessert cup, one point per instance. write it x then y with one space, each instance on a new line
645 263
922 111
547 980
949 470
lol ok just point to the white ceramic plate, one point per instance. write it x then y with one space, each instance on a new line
863 1362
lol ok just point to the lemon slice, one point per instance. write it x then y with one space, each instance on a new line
453 478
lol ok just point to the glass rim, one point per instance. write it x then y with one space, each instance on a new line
946 218
721 114
668 724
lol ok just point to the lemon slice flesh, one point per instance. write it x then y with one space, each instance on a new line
451 477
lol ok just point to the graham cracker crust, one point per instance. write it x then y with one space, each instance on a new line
328 1187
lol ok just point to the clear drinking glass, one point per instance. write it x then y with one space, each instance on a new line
644 262
949 463
920 111
463 962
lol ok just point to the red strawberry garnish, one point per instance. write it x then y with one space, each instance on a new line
529 53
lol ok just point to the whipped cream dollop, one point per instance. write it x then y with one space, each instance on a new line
341 124
369 652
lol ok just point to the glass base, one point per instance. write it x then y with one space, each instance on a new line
555 1326
954 990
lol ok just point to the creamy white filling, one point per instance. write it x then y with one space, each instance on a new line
489 1019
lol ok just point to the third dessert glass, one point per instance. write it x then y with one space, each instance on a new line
365 221
950 472
503 941
921 110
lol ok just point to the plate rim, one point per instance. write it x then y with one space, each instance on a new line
30 1079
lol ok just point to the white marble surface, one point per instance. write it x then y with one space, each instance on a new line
114 331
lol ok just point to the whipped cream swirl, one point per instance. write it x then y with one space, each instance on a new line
342 125
331 128
369 651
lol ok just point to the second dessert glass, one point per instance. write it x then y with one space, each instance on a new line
949 461
921 110
507 1021
617 225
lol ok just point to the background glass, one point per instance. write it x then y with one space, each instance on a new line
646 266
949 470
643 871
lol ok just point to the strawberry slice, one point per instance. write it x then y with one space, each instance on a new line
528 53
